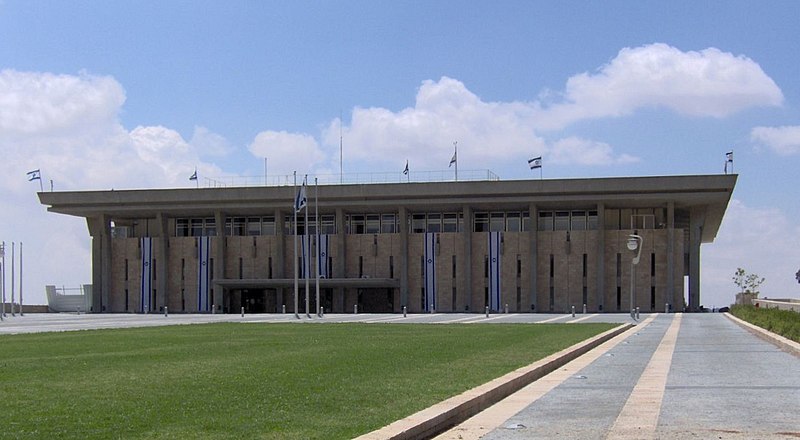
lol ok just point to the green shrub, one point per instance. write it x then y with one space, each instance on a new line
783 322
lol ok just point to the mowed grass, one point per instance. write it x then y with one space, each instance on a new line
264 381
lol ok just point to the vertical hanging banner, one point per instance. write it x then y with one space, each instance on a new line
203 273
430 271
305 262
146 244
322 255
494 270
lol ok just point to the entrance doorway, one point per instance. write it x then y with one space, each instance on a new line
253 300
376 300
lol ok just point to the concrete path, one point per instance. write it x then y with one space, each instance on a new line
54 322
674 376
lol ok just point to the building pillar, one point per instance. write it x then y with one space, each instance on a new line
279 256
402 224
533 237
163 261
100 231
340 266
670 293
466 262
601 258
696 222
219 258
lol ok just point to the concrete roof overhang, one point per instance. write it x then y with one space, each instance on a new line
709 192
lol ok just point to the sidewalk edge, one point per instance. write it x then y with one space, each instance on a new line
781 342
443 415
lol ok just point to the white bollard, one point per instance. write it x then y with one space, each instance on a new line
637 313
584 309
213 309
666 308
283 309
573 311
487 311
166 311
242 312
355 309
506 309
432 308
322 312
404 311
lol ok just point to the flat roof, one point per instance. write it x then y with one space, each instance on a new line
713 192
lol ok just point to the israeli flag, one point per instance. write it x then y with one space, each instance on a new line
322 255
494 270
430 271
146 289
203 273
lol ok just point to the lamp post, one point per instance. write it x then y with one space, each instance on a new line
635 245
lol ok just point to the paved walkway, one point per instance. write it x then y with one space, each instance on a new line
674 376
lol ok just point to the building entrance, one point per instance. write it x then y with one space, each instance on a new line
378 300
253 300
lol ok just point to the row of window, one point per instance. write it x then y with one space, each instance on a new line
513 221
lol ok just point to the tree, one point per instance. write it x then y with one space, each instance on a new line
748 283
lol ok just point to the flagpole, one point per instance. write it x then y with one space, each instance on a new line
316 243
455 144
3 279
306 253
296 286
20 280
12 279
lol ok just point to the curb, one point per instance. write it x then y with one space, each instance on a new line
448 413
781 342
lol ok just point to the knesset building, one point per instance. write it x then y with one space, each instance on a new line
516 245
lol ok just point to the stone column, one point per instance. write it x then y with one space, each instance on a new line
670 293
279 256
340 268
100 231
219 258
466 262
163 261
402 223
601 257
696 223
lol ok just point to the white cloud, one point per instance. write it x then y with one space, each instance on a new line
46 104
208 143
705 83
68 127
754 239
784 141
287 152
489 134
575 150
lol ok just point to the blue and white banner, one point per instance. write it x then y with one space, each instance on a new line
322 256
494 270
203 273
430 271
145 291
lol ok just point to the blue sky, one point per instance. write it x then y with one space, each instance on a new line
137 94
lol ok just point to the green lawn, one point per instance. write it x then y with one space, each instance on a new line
282 381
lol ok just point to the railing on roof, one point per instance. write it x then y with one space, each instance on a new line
352 178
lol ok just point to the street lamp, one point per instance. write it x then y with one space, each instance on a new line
635 245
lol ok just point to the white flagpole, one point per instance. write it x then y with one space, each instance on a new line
3 280
455 145
20 280
316 244
296 286
12 279
306 253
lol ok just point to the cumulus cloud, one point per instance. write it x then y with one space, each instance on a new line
489 134
740 244
784 141
46 104
68 127
208 143
706 83
576 150
287 152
